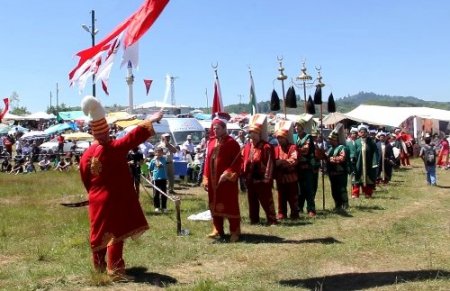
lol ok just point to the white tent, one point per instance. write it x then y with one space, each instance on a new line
335 117
158 104
9 116
39 115
399 116
395 116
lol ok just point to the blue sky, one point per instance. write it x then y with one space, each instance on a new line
388 47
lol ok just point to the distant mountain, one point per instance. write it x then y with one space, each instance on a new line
348 103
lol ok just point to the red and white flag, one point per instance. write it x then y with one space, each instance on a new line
147 83
99 58
5 109
217 105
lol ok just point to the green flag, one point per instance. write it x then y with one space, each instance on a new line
253 105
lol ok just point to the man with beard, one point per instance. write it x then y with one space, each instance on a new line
306 149
286 171
386 159
366 163
337 166
258 169
220 179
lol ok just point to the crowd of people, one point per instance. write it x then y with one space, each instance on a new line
27 156
291 165
288 160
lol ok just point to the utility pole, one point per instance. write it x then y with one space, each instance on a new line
92 31
57 97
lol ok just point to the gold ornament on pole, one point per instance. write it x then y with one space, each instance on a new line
282 77
304 77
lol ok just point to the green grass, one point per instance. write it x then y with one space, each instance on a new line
396 241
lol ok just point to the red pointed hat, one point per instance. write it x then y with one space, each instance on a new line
221 118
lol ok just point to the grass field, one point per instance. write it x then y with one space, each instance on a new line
399 240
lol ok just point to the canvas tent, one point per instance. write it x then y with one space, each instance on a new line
71 115
416 119
39 115
9 116
336 117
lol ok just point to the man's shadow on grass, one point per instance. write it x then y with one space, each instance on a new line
252 238
361 281
368 208
140 275
443 187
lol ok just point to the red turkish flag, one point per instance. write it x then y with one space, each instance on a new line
217 105
134 28
147 83
5 110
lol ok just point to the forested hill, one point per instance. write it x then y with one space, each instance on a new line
348 103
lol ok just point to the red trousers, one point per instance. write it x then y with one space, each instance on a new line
235 225
367 190
287 194
404 158
260 193
115 263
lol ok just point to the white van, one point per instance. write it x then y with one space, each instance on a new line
160 128
232 128
182 127
178 128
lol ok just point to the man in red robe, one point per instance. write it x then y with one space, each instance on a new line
220 179
286 174
114 210
258 167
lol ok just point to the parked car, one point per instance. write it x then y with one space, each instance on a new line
52 145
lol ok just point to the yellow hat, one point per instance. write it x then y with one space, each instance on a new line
255 128
282 133
333 136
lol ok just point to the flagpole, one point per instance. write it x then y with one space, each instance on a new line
253 103
282 77
320 84
214 92
206 96
217 105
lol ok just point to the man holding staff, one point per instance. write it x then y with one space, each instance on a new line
114 210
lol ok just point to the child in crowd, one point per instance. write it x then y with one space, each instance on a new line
29 166
6 165
45 163
158 173
63 165
428 155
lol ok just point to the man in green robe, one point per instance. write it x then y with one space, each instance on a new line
366 163
305 147
337 158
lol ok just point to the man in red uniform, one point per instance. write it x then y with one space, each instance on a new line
286 172
258 166
114 210
60 140
404 141
220 179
